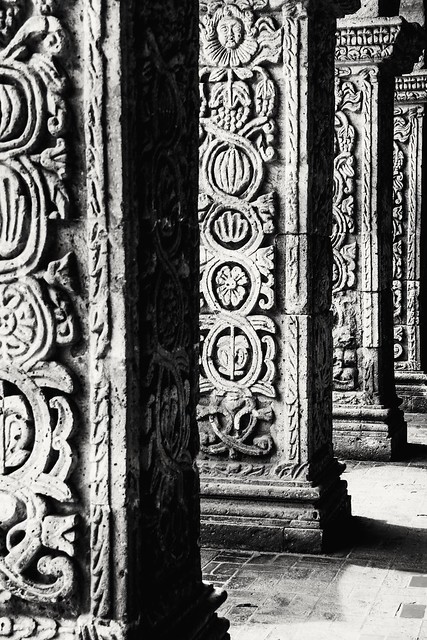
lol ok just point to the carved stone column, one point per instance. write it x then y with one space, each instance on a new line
99 514
269 479
408 231
370 51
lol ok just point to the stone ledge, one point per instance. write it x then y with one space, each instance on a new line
411 88
297 525
382 436
379 41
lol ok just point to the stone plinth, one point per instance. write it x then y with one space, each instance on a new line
408 230
99 494
369 53
268 476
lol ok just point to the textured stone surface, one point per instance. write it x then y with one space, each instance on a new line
99 494
408 230
374 587
268 476
370 51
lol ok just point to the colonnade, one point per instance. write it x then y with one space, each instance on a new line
297 270
101 420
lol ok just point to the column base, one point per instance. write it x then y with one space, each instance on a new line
369 433
199 622
411 387
280 515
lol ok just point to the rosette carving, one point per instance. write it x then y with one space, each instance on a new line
237 129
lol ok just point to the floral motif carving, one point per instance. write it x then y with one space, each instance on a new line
238 100
406 174
36 316
348 100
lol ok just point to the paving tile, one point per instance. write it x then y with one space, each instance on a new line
365 590
262 558
225 569
240 583
412 611
206 556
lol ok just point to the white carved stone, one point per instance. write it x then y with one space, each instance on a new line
266 87
369 52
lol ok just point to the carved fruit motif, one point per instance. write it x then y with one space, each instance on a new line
232 171
12 210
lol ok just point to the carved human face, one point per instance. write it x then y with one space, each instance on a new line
230 32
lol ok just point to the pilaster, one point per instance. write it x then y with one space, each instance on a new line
99 494
268 476
408 211
369 53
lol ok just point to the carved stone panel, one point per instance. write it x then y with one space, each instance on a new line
409 113
99 494
37 318
367 422
265 160
237 217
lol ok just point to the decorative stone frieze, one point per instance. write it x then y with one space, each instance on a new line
369 52
268 476
408 201
99 493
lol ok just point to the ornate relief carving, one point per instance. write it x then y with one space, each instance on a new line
36 418
169 304
237 126
349 99
406 230
367 42
41 628
99 320
411 87
18 628
386 40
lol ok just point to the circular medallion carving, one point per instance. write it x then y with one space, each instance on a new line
26 324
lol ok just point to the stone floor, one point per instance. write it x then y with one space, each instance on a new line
375 589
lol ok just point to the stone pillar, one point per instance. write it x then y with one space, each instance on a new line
268 476
408 227
99 516
370 52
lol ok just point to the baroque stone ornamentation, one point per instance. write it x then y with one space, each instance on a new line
367 421
237 125
98 323
36 317
175 603
410 98
265 198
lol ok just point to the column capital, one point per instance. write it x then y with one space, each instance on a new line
291 8
390 42
412 88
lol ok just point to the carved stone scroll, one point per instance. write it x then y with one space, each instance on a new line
264 218
369 51
99 492
408 207
37 319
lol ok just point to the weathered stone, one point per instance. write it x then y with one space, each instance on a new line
369 53
266 146
99 494
409 114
